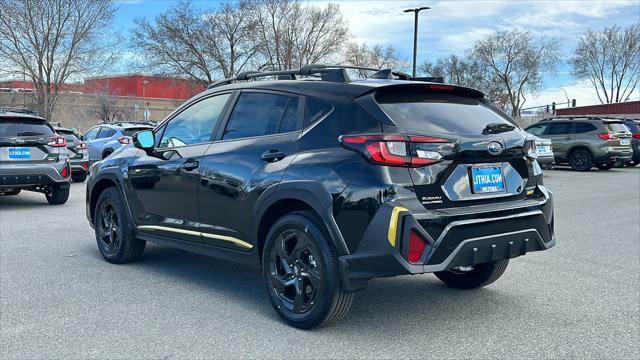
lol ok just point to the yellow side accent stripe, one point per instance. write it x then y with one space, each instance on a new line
393 224
238 242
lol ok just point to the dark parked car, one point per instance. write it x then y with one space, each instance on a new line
634 128
102 140
32 157
326 183
78 155
584 142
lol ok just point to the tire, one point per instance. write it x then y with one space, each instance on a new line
79 177
114 232
12 192
301 272
58 195
632 163
605 166
581 160
481 275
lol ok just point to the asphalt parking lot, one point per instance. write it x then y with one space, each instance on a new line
580 299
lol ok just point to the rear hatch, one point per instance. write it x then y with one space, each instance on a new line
25 140
482 152
76 147
621 136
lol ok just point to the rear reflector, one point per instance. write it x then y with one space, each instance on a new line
85 165
394 150
636 136
65 171
416 247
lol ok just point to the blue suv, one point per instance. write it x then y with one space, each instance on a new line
102 140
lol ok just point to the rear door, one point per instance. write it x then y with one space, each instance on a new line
255 146
25 141
561 134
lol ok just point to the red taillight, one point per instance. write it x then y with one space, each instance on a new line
395 150
57 141
85 165
416 247
607 136
636 136
125 140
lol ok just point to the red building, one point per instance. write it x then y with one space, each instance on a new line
135 85
625 108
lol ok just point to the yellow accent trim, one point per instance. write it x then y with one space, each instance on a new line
393 224
238 242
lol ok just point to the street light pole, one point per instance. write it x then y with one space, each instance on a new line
415 34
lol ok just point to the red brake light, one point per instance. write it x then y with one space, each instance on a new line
85 165
441 87
124 140
607 136
416 247
395 150
57 141
636 136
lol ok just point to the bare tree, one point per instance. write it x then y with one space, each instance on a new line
50 41
610 59
291 35
106 109
456 70
514 62
376 57
199 44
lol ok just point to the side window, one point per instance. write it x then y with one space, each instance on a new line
559 128
315 111
257 114
584 128
106 133
290 118
537 130
195 124
91 134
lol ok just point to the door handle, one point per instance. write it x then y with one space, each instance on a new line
190 164
273 155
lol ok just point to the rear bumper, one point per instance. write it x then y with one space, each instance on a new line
451 239
613 155
78 166
15 176
546 160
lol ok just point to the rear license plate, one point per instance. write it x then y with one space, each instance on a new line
487 179
19 153
543 149
625 141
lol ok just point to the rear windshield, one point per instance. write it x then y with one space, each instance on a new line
69 135
131 131
439 113
617 127
15 127
632 126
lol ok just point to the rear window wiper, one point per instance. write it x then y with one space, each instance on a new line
30 133
496 128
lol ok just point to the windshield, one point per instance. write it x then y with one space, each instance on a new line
13 127
439 113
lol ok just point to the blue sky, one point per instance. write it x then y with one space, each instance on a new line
453 26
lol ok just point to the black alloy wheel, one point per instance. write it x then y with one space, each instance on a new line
109 229
301 272
113 228
295 271
580 160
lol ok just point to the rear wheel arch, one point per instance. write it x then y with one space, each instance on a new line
304 196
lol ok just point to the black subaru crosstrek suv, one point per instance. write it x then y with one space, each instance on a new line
325 182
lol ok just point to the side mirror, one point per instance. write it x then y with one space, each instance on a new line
144 140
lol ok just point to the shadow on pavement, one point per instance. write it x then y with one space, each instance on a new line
8 202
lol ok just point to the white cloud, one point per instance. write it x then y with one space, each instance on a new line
582 91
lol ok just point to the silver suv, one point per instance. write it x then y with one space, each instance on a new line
32 157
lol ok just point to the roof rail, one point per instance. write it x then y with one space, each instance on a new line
19 110
333 73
